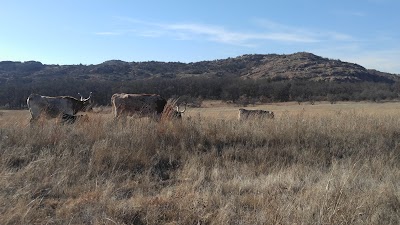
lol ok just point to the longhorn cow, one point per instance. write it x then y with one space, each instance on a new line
246 114
142 105
65 107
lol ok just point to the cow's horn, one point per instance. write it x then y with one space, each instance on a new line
81 96
90 95
177 109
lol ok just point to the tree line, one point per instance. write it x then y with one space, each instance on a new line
13 93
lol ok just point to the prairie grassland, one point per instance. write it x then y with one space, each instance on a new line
320 164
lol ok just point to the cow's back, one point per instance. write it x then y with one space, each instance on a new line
59 105
50 106
140 104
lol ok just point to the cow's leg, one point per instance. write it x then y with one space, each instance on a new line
32 120
69 119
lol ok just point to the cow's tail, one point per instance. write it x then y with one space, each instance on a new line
28 103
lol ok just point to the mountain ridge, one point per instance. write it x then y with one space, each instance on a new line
296 66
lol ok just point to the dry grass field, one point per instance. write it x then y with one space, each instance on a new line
312 164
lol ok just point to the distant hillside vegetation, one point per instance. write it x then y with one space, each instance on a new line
301 66
298 76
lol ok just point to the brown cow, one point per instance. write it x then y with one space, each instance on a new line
142 105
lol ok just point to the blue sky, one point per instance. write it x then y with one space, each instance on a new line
365 32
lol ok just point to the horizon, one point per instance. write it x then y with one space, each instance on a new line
363 32
179 61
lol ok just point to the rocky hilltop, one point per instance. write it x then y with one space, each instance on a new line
298 66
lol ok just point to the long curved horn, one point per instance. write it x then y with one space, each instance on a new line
90 95
81 96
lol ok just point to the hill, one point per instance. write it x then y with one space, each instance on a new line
241 80
297 66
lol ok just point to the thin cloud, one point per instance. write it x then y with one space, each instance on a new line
194 31
151 33
223 35
350 13
340 36
306 34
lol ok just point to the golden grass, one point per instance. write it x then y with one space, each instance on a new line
312 164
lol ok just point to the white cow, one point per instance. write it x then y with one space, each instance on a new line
52 107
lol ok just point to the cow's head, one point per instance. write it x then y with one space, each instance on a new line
171 110
178 113
87 103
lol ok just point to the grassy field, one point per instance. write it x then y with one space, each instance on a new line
312 164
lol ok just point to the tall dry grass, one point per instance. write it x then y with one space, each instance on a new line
300 168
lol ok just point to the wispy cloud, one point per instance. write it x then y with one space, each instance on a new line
339 36
317 35
222 35
263 32
266 31
350 13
